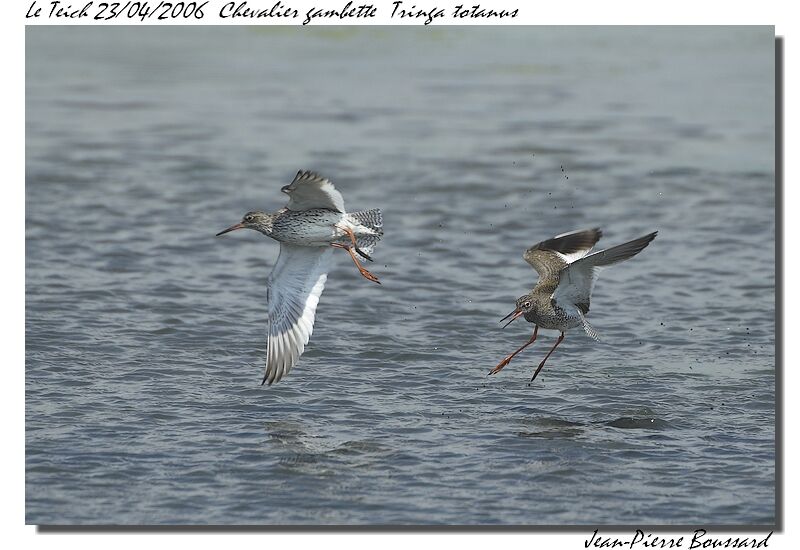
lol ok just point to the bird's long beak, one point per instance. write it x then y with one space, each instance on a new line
514 314
231 228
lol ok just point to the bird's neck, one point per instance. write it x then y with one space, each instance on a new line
266 224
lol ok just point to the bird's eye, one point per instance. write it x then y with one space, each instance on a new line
248 218
526 305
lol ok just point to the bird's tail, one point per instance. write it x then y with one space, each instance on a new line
590 331
619 253
373 221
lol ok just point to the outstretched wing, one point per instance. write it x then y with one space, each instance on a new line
576 281
549 257
293 291
310 190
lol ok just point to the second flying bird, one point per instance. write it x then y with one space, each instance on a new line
567 273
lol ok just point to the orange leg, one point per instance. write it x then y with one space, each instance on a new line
560 338
349 233
366 274
508 359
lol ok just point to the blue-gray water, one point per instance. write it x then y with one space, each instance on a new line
145 333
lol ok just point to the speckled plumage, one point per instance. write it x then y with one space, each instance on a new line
316 227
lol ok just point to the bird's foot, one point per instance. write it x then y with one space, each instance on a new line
367 275
500 365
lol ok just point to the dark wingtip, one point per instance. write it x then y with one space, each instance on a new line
301 174
647 239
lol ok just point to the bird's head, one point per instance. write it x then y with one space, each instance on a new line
524 305
258 221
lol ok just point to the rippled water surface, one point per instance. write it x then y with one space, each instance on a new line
145 333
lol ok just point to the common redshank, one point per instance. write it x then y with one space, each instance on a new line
567 273
312 224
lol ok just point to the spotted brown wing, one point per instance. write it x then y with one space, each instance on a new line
549 257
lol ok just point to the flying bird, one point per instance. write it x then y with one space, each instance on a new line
567 273
312 224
